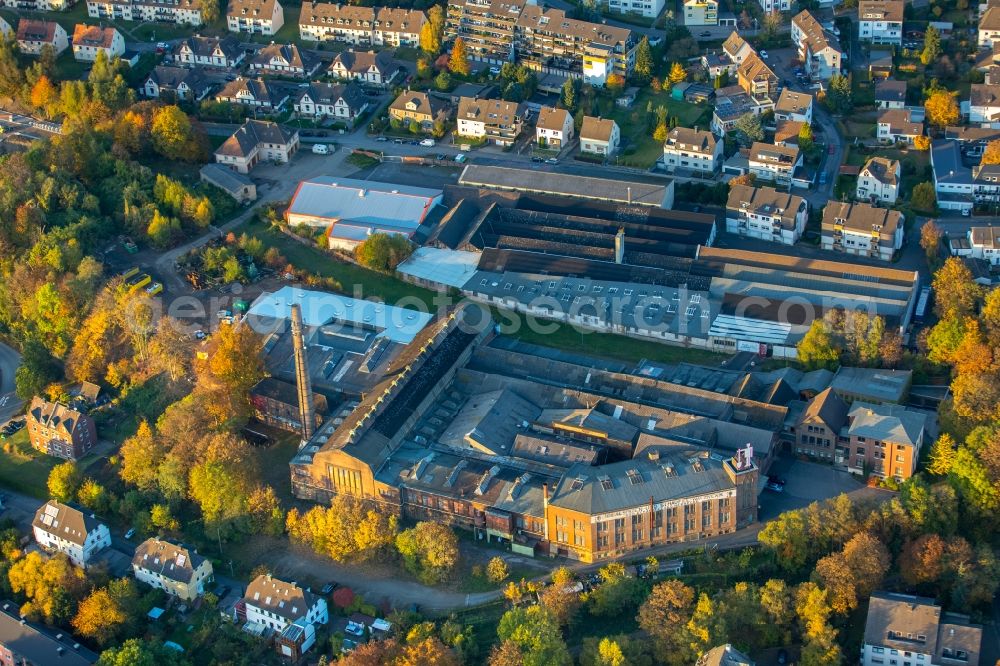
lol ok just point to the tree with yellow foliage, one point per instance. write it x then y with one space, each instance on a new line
458 61
921 142
992 153
107 611
942 108
677 74
44 95
52 586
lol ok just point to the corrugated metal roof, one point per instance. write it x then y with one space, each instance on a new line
325 200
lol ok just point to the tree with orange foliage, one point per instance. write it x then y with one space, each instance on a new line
44 95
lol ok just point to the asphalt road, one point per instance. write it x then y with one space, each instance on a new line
10 404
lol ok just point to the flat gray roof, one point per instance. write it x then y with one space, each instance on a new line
377 206
604 188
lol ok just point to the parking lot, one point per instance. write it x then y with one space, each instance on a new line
808 482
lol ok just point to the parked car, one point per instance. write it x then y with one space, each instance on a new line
321 149
763 54
774 487
381 139
328 588
130 533
398 141
822 178
460 158
535 158
552 160
705 34
427 143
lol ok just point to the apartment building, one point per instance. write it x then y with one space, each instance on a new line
275 604
730 104
862 229
599 136
818 49
342 101
255 17
219 52
692 150
38 5
883 440
257 141
648 8
89 40
173 568
774 163
543 38
770 6
32 36
878 180
982 243
360 26
554 128
493 120
971 140
60 431
895 126
904 629
755 78
178 12
701 12
284 60
766 213
68 529
881 21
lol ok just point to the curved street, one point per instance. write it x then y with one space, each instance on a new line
10 405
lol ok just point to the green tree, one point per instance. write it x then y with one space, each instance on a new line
786 536
174 136
64 482
932 46
429 551
643 60
839 95
750 128
817 349
497 570
38 369
383 252
221 482
665 614
923 197
141 652
569 95
458 61
617 592
537 636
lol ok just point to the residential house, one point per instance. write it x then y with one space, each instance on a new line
701 12
221 52
599 136
178 12
895 126
236 185
724 655
375 68
360 26
972 140
60 431
644 8
786 132
255 17
881 21
766 213
692 150
737 49
756 78
817 428
984 243
953 182
715 64
255 142
259 94
284 60
770 6
774 163
24 643
862 229
989 28
341 101
38 5
880 64
794 106
494 120
296 639
984 104
915 629
68 529
276 403
89 40
554 128
173 568
420 107
818 49
275 604
33 36
890 94
169 83
731 103
6 31
883 440
878 180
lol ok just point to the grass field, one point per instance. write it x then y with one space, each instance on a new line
25 470
639 147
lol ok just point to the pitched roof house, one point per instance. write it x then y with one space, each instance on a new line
268 96
59 430
794 106
68 529
89 40
182 82
275 603
819 49
895 126
890 94
766 213
692 150
420 107
343 101
879 180
554 127
599 136
173 568
495 120
260 17
902 623
984 104
33 36
223 52
255 142
284 60
368 67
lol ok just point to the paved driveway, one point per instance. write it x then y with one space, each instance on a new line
808 482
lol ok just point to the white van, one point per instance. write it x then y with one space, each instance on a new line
321 149
427 143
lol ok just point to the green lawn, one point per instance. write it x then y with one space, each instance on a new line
350 276
273 462
639 147
25 470
608 345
